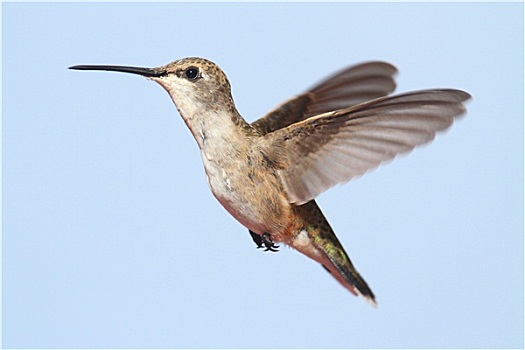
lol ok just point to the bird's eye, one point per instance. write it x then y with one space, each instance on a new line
191 73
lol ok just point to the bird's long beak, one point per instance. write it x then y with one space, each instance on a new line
147 72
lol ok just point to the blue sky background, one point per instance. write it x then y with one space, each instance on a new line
112 239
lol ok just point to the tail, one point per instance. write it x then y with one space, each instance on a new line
316 239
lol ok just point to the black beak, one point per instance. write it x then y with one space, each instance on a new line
147 72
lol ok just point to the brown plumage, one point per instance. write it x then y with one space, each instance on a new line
268 173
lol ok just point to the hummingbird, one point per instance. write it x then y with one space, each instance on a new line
267 173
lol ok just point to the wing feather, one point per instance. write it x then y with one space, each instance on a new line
346 88
335 147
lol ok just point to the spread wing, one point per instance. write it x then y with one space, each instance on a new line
343 89
318 153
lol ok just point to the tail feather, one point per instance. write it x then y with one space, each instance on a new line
316 239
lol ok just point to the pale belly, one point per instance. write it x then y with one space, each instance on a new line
255 201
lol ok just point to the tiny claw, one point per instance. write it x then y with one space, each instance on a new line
273 248
264 241
268 243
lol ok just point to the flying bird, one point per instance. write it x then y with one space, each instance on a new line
268 173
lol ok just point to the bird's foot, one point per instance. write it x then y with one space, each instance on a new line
268 243
264 240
